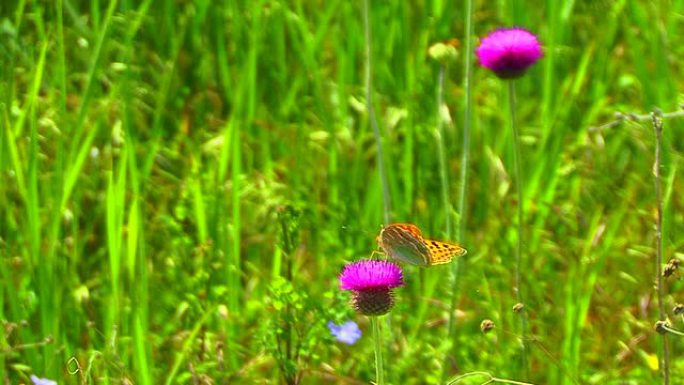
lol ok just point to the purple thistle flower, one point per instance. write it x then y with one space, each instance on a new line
42 381
363 275
371 283
347 333
509 52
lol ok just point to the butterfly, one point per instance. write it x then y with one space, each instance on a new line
404 242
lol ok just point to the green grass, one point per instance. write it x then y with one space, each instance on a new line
181 183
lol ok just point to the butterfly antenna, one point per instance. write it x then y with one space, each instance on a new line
353 229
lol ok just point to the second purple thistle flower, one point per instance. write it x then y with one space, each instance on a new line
509 52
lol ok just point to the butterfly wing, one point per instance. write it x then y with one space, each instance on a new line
443 252
404 242
409 228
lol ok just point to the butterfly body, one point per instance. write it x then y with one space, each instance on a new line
405 243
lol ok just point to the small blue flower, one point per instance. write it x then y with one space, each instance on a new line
347 333
42 381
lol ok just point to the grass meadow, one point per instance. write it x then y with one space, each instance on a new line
181 183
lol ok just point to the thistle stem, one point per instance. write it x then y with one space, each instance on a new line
377 336
382 173
521 200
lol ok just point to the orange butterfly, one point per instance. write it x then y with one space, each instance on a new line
405 242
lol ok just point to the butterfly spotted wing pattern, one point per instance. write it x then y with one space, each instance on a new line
405 242
442 252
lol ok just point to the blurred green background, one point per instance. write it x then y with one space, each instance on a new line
182 182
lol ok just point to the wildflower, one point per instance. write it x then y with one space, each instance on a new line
371 283
509 52
42 381
347 333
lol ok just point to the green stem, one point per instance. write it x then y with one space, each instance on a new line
518 249
377 336
672 331
491 379
465 159
439 133
467 122
658 128
386 204
444 176
371 115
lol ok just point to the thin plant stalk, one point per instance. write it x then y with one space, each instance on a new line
490 379
665 358
519 245
377 337
444 176
288 335
371 115
467 123
465 159
445 195
386 205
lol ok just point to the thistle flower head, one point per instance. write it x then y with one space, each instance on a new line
365 275
371 283
509 52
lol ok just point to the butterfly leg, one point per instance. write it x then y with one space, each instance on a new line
378 252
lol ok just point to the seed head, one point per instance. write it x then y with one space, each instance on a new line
486 326
518 307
